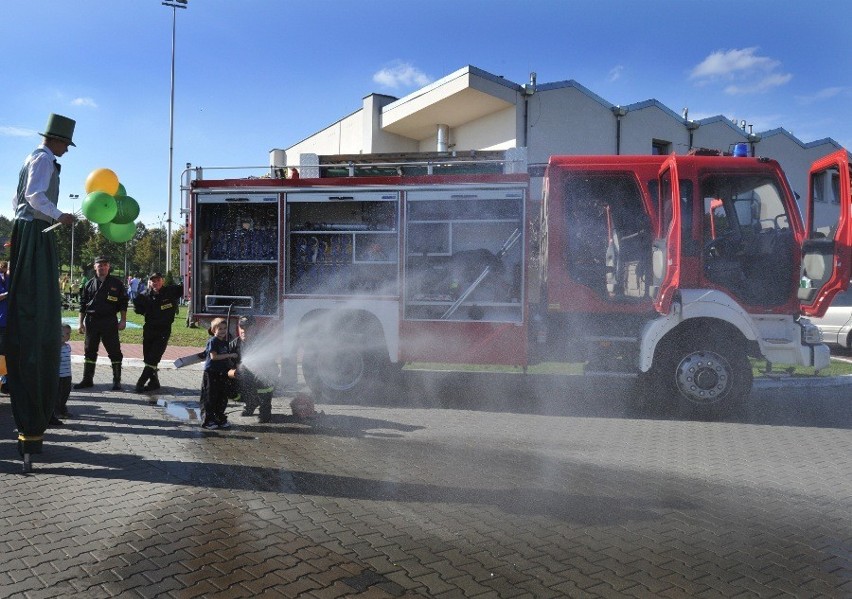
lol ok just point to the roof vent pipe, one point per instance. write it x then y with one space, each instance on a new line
443 138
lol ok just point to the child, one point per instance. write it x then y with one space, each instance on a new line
256 393
61 410
214 386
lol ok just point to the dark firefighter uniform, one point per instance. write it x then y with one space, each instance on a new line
159 304
254 391
100 302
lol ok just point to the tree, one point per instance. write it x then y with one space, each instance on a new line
118 253
83 231
145 251
177 238
5 235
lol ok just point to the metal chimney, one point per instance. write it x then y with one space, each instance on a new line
443 138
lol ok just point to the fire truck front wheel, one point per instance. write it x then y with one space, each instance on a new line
706 376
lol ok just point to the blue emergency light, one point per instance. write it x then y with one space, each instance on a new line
741 150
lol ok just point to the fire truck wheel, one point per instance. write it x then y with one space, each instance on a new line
706 376
341 373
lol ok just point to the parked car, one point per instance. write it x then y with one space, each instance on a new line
836 325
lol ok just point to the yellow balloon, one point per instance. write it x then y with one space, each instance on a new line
102 179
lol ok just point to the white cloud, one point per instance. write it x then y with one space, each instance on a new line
743 69
723 63
823 94
16 132
87 102
615 73
401 75
760 86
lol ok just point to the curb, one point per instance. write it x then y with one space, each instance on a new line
137 363
802 382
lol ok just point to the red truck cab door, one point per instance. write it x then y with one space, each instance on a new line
827 246
667 242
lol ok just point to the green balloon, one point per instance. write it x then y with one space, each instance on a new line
121 191
118 233
99 207
128 210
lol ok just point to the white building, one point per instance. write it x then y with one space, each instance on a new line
472 109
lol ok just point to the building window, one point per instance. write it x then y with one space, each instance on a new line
660 147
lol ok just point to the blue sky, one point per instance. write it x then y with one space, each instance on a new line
252 75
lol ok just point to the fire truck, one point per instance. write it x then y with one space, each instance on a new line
671 269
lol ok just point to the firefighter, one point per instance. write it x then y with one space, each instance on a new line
103 297
159 304
255 392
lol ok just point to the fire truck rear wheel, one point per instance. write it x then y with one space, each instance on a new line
707 377
341 374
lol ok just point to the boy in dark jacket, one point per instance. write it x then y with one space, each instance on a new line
214 384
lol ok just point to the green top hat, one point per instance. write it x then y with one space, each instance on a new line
60 127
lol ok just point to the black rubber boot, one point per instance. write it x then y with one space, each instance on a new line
154 382
88 376
146 375
250 403
116 376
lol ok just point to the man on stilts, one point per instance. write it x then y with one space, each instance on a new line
33 333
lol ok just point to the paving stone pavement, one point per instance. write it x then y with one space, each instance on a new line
513 498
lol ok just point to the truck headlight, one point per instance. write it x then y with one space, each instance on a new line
811 335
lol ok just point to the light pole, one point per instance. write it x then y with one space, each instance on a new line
74 197
160 245
174 4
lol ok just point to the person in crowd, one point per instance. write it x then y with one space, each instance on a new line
254 391
133 285
103 298
33 333
158 303
65 289
4 309
214 384
61 410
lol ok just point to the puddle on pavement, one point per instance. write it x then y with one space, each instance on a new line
184 410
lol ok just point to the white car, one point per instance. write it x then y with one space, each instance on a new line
836 325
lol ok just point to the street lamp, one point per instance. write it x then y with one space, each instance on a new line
160 219
174 4
74 197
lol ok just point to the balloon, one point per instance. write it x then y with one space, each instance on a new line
118 233
102 179
128 210
121 191
99 207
